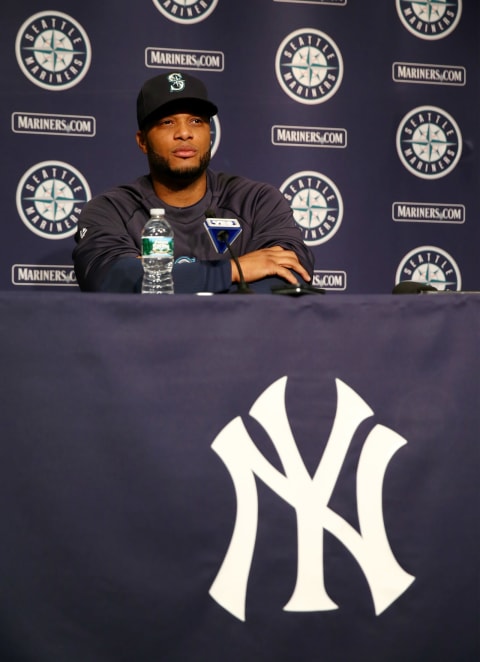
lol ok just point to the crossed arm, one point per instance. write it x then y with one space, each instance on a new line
274 261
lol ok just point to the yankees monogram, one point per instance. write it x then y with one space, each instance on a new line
309 497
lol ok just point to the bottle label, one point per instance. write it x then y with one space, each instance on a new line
157 246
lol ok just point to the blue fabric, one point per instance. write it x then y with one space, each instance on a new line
116 513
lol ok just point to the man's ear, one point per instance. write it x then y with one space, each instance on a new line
140 136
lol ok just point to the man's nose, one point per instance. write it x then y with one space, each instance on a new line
183 129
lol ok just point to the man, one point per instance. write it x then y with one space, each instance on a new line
173 113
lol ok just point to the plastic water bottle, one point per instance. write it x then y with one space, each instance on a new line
157 254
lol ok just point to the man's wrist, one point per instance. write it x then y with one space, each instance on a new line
235 274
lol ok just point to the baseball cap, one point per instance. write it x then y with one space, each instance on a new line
161 94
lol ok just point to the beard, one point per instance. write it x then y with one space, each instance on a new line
176 178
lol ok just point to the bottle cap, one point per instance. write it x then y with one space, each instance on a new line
156 212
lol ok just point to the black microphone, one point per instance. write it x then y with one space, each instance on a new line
222 232
242 286
412 287
297 290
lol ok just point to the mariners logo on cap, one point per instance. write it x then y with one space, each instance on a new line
53 50
177 82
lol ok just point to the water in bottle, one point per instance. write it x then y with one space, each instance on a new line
157 254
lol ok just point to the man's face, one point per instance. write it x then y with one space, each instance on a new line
177 147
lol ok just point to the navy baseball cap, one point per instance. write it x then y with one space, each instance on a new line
160 96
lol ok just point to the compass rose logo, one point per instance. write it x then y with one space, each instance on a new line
316 204
53 50
186 11
309 66
430 265
429 142
430 19
215 135
50 197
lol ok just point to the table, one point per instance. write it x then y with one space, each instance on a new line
335 437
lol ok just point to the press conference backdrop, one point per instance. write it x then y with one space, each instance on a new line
365 114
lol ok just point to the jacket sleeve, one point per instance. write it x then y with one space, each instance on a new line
106 255
266 214
274 225
126 275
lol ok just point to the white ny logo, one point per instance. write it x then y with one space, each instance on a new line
309 497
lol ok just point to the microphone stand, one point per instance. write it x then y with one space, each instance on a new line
242 286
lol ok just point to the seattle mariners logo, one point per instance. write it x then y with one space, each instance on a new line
430 19
177 82
309 66
53 50
430 266
429 142
215 133
316 204
186 11
50 197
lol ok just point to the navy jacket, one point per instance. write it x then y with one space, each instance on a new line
110 225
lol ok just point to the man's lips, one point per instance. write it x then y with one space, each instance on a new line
184 152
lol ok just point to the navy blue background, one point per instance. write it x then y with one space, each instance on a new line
369 174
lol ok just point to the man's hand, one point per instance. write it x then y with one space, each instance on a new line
275 261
